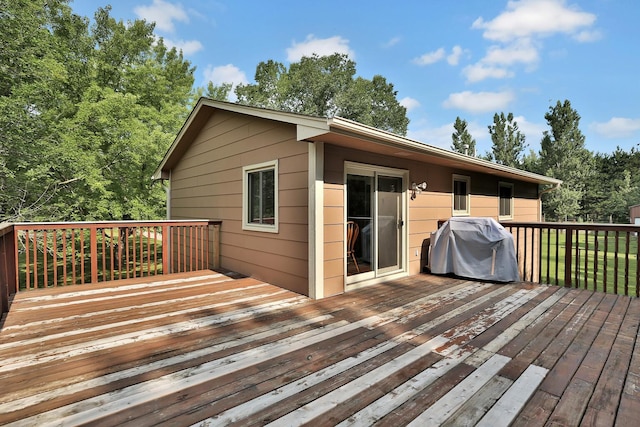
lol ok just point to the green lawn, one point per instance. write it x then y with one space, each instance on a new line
143 260
596 248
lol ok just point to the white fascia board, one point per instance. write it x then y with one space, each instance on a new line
420 147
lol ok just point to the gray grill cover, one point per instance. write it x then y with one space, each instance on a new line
478 248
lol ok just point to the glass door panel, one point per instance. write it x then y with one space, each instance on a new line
389 222
360 212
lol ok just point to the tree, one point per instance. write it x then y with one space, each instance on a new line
462 142
325 86
218 92
563 156
613 187
508 141
88 114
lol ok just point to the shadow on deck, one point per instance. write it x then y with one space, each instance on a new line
207 348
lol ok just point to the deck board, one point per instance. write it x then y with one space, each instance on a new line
201 348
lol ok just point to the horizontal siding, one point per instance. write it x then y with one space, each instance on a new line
207 183
432 205
333 239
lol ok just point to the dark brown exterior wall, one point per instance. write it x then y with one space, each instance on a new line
423 212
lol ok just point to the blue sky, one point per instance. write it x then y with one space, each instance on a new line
445 58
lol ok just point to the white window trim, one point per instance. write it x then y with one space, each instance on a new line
246 170
466 179
509 185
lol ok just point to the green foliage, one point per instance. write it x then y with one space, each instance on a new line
325 86
461 140
613 187
508 141
563 156
218 93
87 113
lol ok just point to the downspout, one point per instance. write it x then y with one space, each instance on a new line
167 191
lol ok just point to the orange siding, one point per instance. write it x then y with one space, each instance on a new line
333 239
207 183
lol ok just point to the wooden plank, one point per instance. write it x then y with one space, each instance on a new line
571 321
572 404
351 359
537 411
629 409
606 399
475 408
504 412
564 370
427 397
449 403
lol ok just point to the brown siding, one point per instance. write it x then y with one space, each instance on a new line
424 211
207 183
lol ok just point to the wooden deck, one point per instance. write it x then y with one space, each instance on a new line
203 349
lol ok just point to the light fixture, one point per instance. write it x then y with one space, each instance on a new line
417 189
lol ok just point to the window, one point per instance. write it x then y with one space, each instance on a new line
505 192
260 198
461 190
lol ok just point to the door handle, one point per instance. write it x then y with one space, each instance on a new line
400 224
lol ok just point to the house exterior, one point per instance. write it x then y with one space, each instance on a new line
634 214
286 185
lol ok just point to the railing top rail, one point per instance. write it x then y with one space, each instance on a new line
5 228
105 224
574 226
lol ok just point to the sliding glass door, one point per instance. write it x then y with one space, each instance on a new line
375 208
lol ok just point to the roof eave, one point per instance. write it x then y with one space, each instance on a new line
420 147
306 126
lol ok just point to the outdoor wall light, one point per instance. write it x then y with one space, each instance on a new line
417 189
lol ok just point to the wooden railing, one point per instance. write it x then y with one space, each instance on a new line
42 255
600 257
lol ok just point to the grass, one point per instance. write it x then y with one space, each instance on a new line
599 251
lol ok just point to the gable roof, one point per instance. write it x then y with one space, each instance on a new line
343 132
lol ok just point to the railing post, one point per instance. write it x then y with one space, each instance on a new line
8 268
568 258
94 254
165 248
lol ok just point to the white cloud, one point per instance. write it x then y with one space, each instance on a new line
392 42
478 72
454 56
588 36
498 58
532 131
430 57
321 47
527 18
188 47
479 102
518 30
440 136
522 51
163 13
617 127
225 74
409 103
